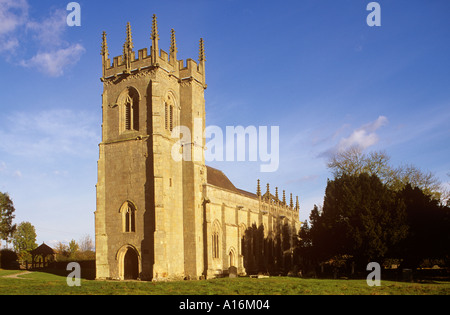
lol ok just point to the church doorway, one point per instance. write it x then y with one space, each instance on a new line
130 265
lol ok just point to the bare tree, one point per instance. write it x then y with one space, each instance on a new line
426 181
86 243
354 162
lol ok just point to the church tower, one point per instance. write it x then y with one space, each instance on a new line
148 219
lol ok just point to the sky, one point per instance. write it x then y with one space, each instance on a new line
315 69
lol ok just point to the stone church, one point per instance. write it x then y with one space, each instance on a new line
161 219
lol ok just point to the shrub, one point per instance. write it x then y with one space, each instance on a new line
8 259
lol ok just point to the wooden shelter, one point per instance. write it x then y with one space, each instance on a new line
40 256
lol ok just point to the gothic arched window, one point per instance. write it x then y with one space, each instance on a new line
169 113
215 244
216 241
128 115
128 211
129 110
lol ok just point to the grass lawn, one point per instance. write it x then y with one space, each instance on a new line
41 283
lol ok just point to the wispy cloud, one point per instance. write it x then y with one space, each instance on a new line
49 133
5 171
54 62
49 32
13 15
54 54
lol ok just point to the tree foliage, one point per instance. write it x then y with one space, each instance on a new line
73 247
361 217
24 240
367 220
429 228
7 216
354 162
82 250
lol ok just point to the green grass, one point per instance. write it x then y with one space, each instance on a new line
41 283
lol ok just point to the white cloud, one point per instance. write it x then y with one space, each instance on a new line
9 44
53 63
13 13
364 136
54 54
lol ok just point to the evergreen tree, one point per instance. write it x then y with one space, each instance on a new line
73 248
429 228
361 217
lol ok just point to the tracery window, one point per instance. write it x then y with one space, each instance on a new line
216 241
169 113
129 110
128 115
128 211
215 244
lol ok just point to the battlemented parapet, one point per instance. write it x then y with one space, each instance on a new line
127 63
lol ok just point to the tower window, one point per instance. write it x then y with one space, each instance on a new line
166 116
129 110
171 117
169 113
128 116
128 217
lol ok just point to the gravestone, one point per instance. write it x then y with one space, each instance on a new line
407 275
232 272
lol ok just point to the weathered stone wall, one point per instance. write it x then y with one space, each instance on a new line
235 214
174 208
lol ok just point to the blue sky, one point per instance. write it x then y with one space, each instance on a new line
313 68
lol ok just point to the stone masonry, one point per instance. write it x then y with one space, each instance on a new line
158 218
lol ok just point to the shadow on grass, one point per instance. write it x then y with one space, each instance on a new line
87 269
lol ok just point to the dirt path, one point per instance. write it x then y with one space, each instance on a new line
16 275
